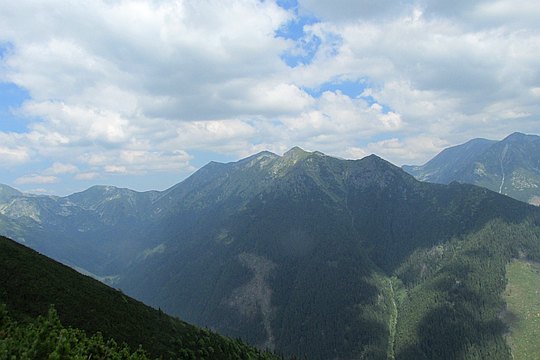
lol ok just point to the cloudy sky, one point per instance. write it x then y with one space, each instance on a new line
140 93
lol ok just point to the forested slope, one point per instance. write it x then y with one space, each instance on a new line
30 283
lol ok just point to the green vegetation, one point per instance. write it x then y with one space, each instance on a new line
523 312
454 296
393 318
30 283
46 338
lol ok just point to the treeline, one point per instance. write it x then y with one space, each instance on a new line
46 338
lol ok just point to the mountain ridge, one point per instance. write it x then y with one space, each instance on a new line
510 166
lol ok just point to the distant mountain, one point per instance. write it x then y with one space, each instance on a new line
312 255
30 283
510 166
93 230
7 193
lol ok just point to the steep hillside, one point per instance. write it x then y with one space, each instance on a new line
444 167
510 166
30 283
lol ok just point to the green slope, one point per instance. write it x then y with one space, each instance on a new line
523 311
454 294
30 283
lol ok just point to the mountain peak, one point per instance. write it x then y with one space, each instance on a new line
296 152
373 157
259 156
514 136
518 136
7 192
7 188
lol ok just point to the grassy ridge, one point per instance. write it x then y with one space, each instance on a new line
30 283
523 312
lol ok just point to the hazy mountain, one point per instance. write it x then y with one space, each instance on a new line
510 166
99 230
30 283
7 193
316 256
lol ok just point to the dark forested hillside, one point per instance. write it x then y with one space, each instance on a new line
30 283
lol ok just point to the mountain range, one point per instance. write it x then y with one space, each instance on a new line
304 254
510 166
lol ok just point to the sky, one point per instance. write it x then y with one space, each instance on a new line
141 94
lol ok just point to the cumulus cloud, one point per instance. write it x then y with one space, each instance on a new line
420 148
13 155
58 168
437 72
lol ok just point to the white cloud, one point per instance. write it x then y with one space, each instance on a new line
440 75
58 168
115 169
36 179
336 122
87 176
416 149
154 57
136 161
76 124
13 155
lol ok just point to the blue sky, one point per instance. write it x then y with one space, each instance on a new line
141 94
11 98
